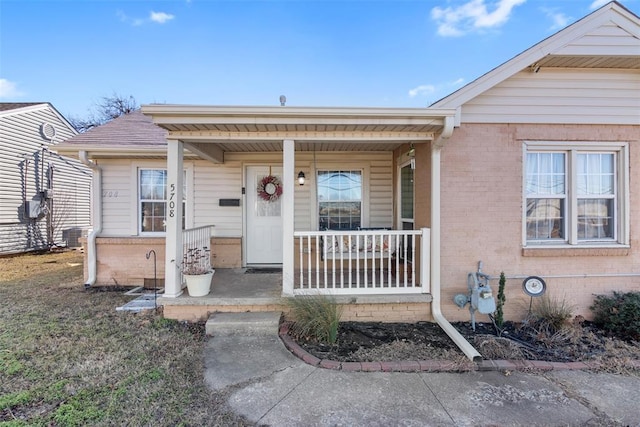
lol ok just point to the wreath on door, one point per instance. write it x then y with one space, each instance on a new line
270 188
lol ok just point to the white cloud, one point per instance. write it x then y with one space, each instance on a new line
422 90
425 90
472 16
160 17
9 89
598 3
559 20
136 22
157 17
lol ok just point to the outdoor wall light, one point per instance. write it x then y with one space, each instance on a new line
412 151
301 178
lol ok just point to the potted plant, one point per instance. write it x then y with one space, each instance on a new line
197 271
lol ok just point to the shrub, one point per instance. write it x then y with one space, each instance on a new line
500 301
618 314
316 317
552 313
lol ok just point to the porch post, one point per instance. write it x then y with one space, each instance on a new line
173 242
288 182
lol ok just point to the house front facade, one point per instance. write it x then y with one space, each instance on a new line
345 227
529 170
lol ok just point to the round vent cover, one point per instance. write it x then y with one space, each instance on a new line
48 131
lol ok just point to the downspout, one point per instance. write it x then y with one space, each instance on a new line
97 218
436 311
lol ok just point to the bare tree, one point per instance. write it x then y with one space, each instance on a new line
105 110
61 209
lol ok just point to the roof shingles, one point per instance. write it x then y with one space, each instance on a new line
130 129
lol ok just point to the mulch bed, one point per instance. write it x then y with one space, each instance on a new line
376 341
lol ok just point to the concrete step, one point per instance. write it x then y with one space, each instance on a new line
251 324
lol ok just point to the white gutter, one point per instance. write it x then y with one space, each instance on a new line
436 311
97 217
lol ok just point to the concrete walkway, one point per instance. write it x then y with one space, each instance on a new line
273 387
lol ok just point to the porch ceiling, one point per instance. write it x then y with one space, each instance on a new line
250 146
256 129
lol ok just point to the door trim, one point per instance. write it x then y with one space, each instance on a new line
245 211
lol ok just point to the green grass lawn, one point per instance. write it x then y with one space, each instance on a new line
68 358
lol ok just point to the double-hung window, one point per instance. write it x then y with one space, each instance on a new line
340 199
153 200
576 194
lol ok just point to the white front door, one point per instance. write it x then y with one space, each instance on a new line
264 219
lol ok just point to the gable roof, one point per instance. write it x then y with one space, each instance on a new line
8 109
616 28
8 106
127 134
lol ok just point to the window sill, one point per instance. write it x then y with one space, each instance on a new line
565 250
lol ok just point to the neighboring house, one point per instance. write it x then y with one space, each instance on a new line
44 198
533 169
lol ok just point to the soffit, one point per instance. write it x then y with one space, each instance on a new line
258 129
567 61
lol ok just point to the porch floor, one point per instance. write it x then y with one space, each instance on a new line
235 287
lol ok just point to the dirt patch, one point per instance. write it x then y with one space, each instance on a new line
375 341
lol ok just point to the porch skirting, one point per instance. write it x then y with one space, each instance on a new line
374 308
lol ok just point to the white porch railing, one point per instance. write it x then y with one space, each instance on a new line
362 262
196 240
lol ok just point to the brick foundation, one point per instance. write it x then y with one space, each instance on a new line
384 312
122 260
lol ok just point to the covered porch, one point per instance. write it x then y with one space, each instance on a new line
239 290
379 255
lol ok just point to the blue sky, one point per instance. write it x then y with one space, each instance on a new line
403 53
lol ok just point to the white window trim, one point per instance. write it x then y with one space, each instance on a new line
333 166
622 182
136 227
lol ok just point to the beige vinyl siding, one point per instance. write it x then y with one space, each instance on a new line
607 40
20 138
212 182
378 185
119 197
304 196
589 96
381 193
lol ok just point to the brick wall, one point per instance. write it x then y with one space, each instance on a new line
482 202
121 261
390 312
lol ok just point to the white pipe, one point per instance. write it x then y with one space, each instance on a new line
436 312
97 218
569 276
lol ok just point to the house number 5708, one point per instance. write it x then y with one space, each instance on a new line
172 202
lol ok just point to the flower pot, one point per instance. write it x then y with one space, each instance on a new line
199 285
